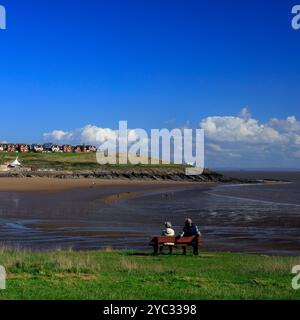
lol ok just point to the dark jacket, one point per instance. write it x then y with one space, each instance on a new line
191 230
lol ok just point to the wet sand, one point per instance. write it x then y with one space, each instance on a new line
105 191
46 214
56 185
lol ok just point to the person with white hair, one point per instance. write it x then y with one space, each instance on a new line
190 229
168 232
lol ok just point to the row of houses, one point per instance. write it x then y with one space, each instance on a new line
47 147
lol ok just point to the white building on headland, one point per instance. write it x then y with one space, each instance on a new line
15 164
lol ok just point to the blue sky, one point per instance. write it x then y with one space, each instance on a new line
155 63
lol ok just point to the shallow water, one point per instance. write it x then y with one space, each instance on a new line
245 218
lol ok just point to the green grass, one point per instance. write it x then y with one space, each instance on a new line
57 161
137 275
74 162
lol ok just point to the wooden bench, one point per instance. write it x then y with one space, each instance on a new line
158 243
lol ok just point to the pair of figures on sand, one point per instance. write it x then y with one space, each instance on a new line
189 230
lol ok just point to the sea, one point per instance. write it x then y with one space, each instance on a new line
250 218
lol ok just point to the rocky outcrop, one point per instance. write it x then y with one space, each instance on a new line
139 174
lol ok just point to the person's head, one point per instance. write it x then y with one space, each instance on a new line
168 224
188 222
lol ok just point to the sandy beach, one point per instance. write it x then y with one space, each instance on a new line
56 185
105 191
48 213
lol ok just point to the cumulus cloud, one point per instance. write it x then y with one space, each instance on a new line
276 141
237 129
240 141
288 125
89 134
58 135
94 134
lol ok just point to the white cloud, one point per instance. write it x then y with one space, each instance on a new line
240 141
237 129
272 143
58 135
290 124
94 134
90 134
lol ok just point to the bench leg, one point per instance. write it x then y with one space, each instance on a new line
184 251
196 249
155 249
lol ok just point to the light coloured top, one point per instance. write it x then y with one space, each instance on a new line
168 232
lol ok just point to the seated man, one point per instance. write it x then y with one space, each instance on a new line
190 229
168 232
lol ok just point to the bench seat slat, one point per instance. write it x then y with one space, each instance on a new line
162 241
175 240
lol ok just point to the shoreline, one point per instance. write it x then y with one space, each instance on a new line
55 184
68 182
93 213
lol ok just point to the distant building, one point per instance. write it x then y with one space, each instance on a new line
37 148
56 148
11 147
47 147
80 149
23 148
84 148
50 147
90 149
67 148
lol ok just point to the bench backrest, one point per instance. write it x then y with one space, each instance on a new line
176 240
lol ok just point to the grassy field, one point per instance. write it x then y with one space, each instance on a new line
138 275
72 161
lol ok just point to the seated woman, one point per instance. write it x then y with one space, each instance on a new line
168 232
190 229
